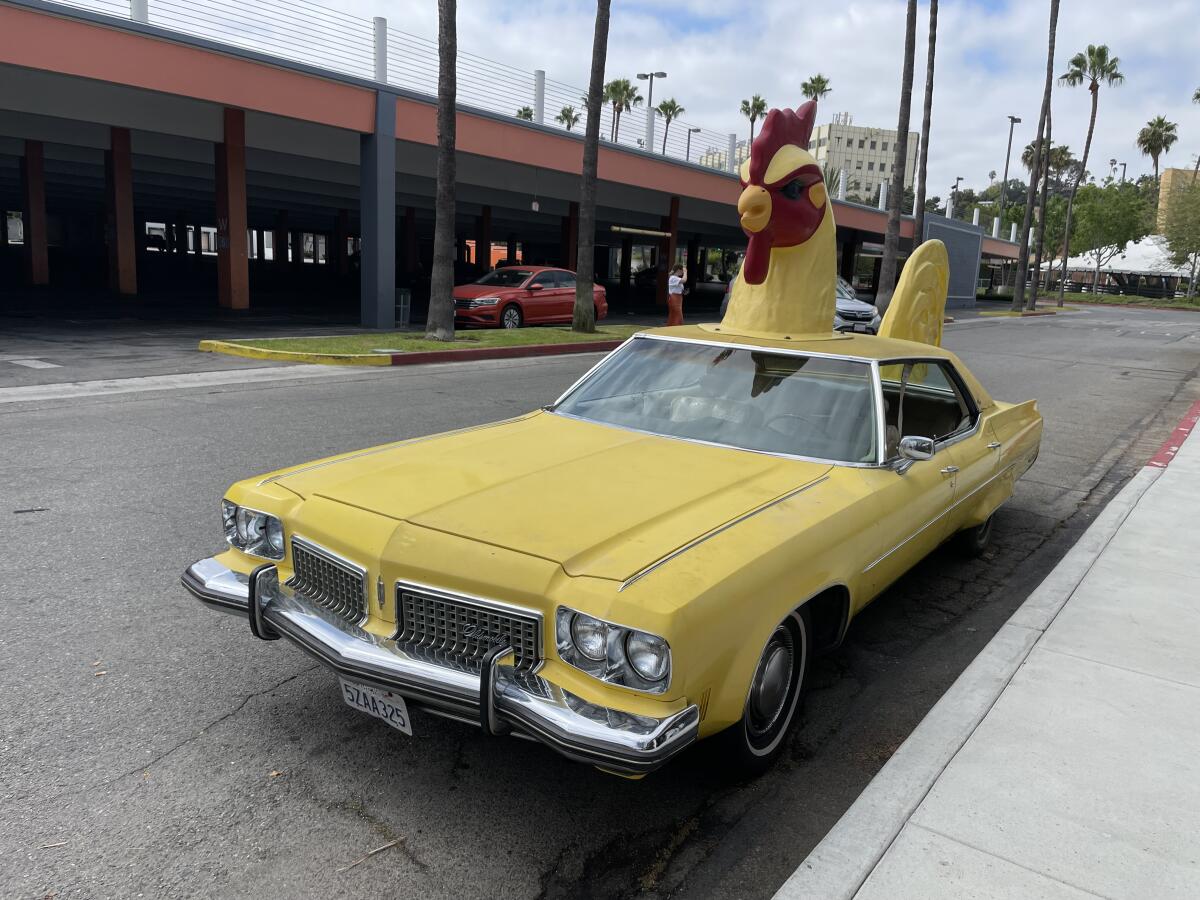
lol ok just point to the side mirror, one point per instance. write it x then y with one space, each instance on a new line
916 448
535 287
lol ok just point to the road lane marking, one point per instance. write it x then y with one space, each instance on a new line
34 364
106 387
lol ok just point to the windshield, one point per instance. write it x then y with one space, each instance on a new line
750 399
505 277
844 291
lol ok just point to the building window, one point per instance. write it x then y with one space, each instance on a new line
858 165
870 167
860 143
872 145
885 146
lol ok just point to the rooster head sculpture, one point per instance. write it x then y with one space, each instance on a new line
787 280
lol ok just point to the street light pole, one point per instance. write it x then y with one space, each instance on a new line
650 76
687 157
954 195
1122 173
1012 120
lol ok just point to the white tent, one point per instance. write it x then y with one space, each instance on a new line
1149 256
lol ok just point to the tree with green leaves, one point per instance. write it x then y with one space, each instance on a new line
1182 230
567 117
669 110
1196 170
439 324
1156 138
583 316
623 95
1110 218
1093 67
525 113
816 88
754 109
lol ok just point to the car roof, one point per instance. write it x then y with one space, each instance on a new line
532 269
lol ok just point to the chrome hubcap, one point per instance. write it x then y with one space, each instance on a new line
770 689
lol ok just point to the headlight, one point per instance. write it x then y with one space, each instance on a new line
613 653
484 301
251 531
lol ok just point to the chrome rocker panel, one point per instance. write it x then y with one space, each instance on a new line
528 704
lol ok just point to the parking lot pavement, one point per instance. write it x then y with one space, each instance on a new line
150 746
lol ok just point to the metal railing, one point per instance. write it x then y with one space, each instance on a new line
341 43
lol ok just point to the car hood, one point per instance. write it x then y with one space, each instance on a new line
467 291
854 305
597 500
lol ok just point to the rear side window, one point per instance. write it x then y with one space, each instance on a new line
924 398
565 279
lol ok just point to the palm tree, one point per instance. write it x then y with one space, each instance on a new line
568 117
1092 67
440 322
1018 302
1156 139
1196 170
583 317
669 110
754 109
624 96
525 113
923 157
816 88
891 239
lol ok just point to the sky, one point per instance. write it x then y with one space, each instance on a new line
991 59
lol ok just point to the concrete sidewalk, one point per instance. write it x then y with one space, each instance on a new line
1065 761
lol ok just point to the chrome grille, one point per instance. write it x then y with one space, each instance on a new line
461 631
329 581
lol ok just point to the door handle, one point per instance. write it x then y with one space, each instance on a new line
994 445
949 470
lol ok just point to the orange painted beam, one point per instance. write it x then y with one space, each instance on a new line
41 41
121 228
33 183
233 268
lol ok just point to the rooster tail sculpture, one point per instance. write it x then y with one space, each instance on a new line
918 306
786 286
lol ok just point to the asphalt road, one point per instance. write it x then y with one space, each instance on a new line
150 747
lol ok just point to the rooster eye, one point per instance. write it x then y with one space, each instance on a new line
792 189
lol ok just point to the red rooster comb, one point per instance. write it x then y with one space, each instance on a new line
781 127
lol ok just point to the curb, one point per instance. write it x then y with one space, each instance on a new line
842 862
416 358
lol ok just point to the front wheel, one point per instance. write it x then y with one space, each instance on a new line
511 317
774 696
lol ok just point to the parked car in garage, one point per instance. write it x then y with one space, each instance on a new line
851 314
513 296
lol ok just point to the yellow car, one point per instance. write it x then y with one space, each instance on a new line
650 560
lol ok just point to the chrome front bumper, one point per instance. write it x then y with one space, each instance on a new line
499 699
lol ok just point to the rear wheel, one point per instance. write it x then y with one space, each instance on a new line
511 317
972 542
774 696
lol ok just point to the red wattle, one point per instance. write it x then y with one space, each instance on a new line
758 259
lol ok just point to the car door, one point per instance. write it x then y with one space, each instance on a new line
910 499
566 295
540 302
970 446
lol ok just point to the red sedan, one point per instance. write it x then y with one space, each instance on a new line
517 295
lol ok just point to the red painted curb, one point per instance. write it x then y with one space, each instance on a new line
440 356
1170 447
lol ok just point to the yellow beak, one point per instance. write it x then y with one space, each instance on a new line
754 206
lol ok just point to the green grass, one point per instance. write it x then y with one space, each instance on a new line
408 341
1050 301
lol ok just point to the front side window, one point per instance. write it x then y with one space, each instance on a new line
926 399
817 407
546 280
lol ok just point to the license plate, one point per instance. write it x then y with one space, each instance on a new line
381 704
862 329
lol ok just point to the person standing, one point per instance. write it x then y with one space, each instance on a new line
675 291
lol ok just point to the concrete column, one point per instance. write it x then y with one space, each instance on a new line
1012 233
849 255
626 265
139 11
875 271
297 250
3 230
33 214
539 96
181 234
670 224
118 188
693 261
233 273
730 160
570 237
380 48
996 227
511 252
883 192
412 249
341 234
483 239
279 239
377 211
260 244
975 217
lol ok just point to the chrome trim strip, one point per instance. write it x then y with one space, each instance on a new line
218 586
589 373
637 576
392 446
880 416
817 354
949 509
